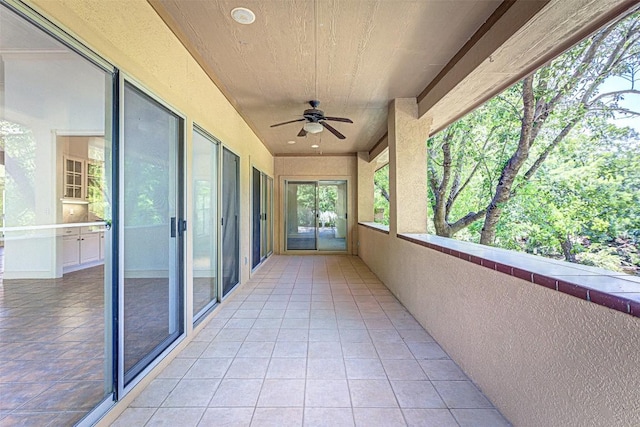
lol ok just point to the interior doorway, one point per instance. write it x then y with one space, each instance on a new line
316 216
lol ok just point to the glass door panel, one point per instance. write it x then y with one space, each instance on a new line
152 225
301 215
332 215
56 298
256 217
205 223
269 215
263 217
230 221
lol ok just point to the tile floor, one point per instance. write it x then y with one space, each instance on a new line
51 348
314 341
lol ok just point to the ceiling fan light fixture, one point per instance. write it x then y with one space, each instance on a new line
312 127
242 15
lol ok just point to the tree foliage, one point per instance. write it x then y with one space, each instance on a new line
543 167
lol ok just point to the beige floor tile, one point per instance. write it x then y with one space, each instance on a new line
327 394
417 394
398 369
248 367
133 417
236 392
372 394
177 368
184 417
365 369
287 368
222 349
277 417
282 393
326 369
393 350
429 418
461 395
190 393
325 349
328 417
225 417
378 417
155 393
290 349
359 350
442 370
256 349
426 350
479 418
209 368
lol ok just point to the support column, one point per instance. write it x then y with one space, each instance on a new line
365 188
407 167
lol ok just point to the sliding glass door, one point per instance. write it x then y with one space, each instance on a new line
230 221
205 222
301 207
316 215
332 215
152 229
262 217
56 290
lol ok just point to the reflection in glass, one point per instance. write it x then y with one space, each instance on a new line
55 268
205 214
152 291
230 221
332 216
301 216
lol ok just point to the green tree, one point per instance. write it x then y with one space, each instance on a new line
483 161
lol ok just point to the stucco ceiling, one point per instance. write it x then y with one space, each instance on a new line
353 56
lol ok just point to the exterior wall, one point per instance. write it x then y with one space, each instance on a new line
544 358
314 168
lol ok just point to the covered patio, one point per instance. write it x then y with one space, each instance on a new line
313 341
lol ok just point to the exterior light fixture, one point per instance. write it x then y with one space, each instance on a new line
242 15
291 142
315 146
312 127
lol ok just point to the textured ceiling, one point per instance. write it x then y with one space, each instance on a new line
353 56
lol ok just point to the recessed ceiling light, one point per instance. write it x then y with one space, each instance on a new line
242 15
315 146
291 142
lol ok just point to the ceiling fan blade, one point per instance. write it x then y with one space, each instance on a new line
339 119
302 132
332 130
290 121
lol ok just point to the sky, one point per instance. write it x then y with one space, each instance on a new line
631 101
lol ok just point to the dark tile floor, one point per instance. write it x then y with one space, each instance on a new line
51 348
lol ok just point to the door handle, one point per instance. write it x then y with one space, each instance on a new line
173 226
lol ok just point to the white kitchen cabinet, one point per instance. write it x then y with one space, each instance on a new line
89 247
82 247
71 250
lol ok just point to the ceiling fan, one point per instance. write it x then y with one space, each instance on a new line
316 120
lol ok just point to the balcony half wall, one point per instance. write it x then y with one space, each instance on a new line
543 357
